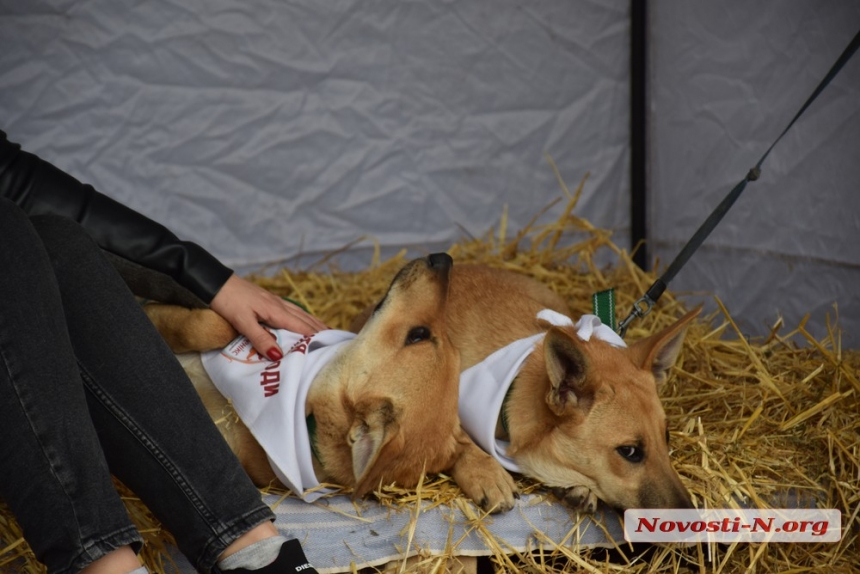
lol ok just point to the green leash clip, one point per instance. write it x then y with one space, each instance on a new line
603 304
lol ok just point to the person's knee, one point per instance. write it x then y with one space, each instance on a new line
11 215
20 239
63 237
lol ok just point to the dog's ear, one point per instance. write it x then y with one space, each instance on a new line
375 425
658 352
567 367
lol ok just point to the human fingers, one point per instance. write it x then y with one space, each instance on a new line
262 340
291 316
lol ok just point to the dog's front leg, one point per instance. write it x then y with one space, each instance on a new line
482 478
189 330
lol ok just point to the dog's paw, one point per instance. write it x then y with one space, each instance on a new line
578 498
485 481
496 492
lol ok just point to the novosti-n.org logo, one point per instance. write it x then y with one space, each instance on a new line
726 525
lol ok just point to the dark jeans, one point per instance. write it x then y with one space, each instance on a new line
89 388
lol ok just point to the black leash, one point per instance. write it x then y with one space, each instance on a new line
644 305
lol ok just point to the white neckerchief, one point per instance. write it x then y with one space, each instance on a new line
483 386
270 397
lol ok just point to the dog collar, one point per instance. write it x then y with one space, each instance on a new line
503 414
311 423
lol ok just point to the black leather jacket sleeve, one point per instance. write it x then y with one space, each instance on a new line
138 242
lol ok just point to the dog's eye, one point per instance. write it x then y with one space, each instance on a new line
417 334
631 453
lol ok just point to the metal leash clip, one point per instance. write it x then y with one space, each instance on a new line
640 309
643 305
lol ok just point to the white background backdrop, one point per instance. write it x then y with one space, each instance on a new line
276 131
264 129
726 78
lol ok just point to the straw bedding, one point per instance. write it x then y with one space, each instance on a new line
751 420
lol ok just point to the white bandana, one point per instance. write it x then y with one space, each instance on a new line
270 397
483 386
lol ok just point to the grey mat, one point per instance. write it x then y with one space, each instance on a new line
337 533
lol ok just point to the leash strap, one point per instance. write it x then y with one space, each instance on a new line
644 305
603 304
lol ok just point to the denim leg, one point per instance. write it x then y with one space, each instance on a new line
156 435
53 474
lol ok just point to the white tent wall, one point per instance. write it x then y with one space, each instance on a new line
725 78
282 131
274 131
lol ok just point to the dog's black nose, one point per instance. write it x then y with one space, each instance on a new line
440 260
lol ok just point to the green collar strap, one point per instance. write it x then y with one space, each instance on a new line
312 435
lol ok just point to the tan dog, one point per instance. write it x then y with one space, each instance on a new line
385 406
583 417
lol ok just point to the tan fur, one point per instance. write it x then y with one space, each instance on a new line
574 403
386 410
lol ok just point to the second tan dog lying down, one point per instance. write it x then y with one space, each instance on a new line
385 405
581 416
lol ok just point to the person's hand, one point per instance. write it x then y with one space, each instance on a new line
245 305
